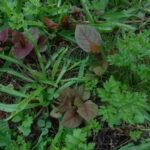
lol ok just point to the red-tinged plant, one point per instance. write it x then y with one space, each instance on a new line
41 40
22 46
50 23
99 68
76 11
67 23
42 43
4 36
75 106
88 38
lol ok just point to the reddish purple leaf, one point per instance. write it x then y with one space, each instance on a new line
1 48
18 37
84 95
42 48
22 46
42 43
50 23
94 48
67 94
88 110
88 38
4 35
78 102
42 40
76 11
71 119
65 106
99 68
67 23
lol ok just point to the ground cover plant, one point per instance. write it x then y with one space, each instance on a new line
74 75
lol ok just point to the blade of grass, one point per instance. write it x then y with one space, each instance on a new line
49 82
53 57
81 70
57 137
66 35
68 84
74 79
15 61
30 37
7 63
12 107
74 65
18 7
18 62
10 91
88 14
7 9
8 107
17 74
63 71
23 104
35 23
57 63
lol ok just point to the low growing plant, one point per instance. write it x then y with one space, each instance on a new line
122 105
76 141
75 106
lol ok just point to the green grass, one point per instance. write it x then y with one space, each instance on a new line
30 88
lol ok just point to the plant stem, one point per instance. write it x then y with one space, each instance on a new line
56 138
7 9
37 51
85 7
18 7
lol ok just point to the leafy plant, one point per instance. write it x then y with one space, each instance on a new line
122 105
4 36
133 56
26 124
92 126
135 135
145 145
22 46
49 23
75 106
16 21
88 38
77 140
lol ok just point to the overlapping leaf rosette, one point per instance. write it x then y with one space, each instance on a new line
22 46
75 107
